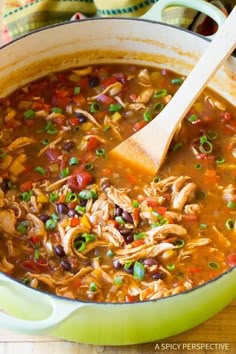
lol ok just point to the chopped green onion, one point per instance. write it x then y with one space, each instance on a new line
220 161
80 209
106 127
128 264
203 226
156 179
29 114
118 280
76 90
231 204
193 118
93 286
110 253
26 280
101 153
26 196
45 142
211 134
230 224
36 253
95 107
55 217
147 116
71 197
160 93
213 265
177 146
53 197
74 161
120 220
40 170
56 110
2 153
179 243
158 107
198 166
50 224
65 172
80 245
205 145
87 194
21 228
89 237
135 204
177 81
139 236
170 266
201 195
115 107
89 166
139 271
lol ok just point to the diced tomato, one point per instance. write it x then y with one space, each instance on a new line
105 99
137 243
194 270
190 218
130 298
109 81
59 120
139 125
62 93
99 115
114 223
211 176
92 143
74 222
26 186
30 265
80 100
132 179
84 82
231 259
35 239
152 203
74 122
79 180
52 154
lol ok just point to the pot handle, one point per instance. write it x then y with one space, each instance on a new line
58 309
155 13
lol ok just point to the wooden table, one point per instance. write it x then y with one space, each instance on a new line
219 330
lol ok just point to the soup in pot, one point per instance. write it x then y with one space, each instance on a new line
78 224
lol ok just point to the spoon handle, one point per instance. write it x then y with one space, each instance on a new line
148 147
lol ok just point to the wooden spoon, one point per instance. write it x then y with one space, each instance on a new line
147 149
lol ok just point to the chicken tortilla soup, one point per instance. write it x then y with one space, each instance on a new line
75 224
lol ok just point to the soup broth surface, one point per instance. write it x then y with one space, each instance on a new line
78 224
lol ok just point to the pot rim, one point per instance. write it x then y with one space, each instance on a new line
94 19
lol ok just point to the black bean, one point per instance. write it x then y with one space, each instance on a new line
81 117
117 264
94 81
66 265
83 202
150 261
127 217
5 185
130 270
129 238
59 251
118 211
44 217
123 231
62 208
158 276
68 146
72 212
